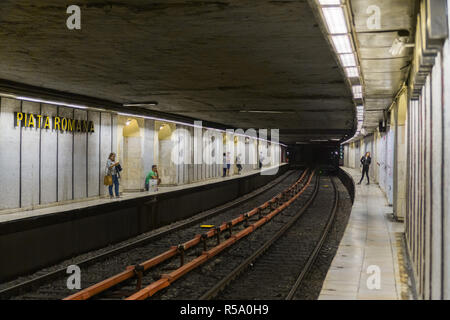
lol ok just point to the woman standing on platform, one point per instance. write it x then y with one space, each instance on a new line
113 172
365 162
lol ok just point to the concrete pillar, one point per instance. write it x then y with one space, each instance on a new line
167 167
131 153
49 159
94 156
79 158
436 180
65 152
10 139
400 158
446 168
30 159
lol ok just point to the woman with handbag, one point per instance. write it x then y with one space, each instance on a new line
111 175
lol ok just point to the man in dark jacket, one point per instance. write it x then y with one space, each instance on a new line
365 162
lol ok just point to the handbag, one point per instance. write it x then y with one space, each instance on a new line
107 181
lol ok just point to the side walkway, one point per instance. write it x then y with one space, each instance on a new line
369 250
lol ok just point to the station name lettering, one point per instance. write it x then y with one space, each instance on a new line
29 120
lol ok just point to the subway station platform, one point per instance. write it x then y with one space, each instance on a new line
8 215
45 236
371 246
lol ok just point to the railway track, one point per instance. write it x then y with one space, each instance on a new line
276 269
52 285
163 270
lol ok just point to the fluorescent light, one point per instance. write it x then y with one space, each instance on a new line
264 111
329 2
352 72
335 19
58 103
357 91
342 44
141 104
348 60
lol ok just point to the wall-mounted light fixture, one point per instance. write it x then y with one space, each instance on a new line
399 45
141 104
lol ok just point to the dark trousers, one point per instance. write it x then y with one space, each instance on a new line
365 171
115 180
224 172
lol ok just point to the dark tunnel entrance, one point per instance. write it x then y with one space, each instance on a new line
324 157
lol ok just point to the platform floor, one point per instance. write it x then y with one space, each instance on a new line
372 241
22 213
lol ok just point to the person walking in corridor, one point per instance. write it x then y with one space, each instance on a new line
365 162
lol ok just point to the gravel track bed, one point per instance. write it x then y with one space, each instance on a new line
312 283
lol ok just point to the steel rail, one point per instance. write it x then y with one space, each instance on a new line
317 248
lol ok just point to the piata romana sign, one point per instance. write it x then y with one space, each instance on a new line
38 121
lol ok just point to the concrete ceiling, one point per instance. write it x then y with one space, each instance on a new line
383 73
208 60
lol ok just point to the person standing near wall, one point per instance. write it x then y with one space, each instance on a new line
224 160
228 163
238 163
113 172
365 163
261 159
